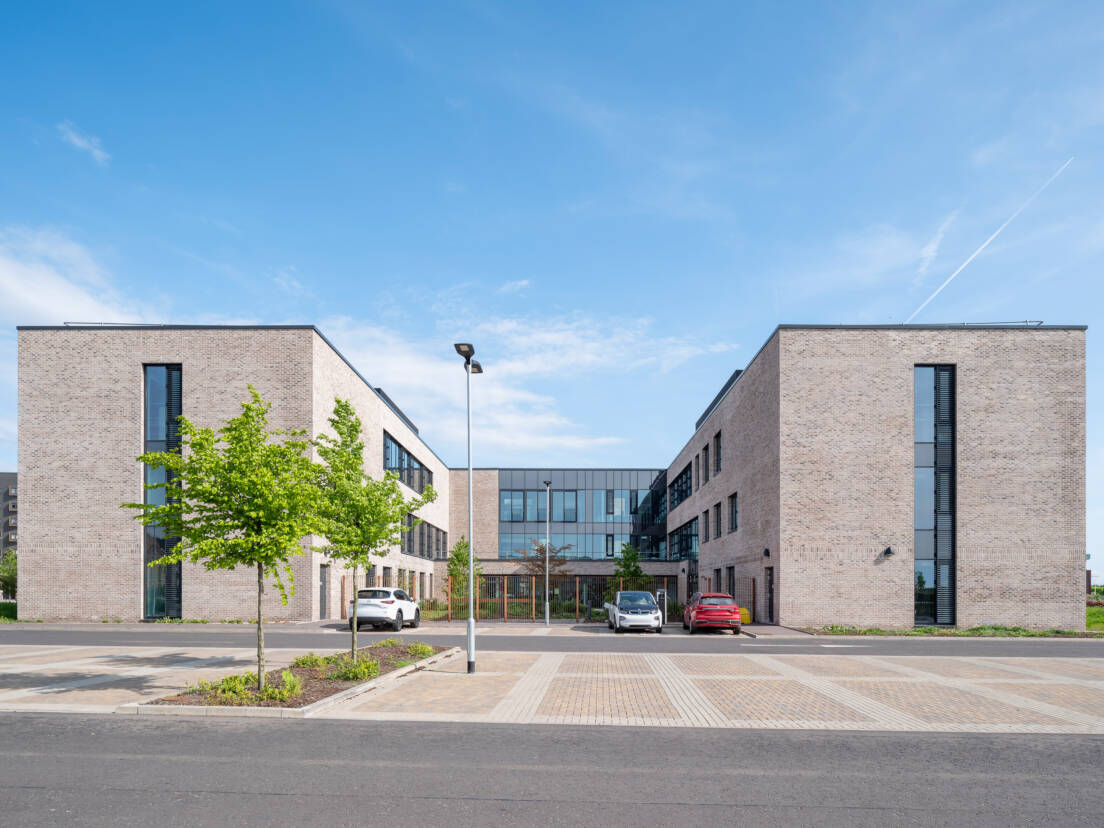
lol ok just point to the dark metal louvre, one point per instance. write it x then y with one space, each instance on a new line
945 494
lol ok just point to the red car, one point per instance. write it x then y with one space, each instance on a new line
706 610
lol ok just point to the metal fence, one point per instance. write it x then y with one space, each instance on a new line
521 597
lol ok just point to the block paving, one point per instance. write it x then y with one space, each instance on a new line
820 692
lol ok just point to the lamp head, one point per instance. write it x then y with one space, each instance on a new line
547 482
465 349
476 368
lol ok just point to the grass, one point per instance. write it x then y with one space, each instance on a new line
182 621
1094 618
984 631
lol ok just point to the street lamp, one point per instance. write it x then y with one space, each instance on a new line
466 350
547 530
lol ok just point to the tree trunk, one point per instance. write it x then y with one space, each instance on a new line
260 631
353 623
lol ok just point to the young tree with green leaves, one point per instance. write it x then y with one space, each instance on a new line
245 495
9 573
626 568
458 568
361 517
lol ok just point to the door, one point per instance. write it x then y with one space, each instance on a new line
769 572
324 591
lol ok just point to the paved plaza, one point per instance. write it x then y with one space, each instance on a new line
835 690
821 692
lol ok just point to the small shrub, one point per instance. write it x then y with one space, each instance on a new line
348 670
310 660
387 642
419 650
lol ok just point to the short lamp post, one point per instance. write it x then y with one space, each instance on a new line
466 350
547 536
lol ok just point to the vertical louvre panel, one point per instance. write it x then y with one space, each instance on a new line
944 494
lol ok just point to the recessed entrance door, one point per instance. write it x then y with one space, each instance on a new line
324 591
769 573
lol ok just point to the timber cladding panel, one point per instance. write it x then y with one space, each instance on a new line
846 479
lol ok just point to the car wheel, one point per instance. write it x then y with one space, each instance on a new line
659 630
691 627
397 624
609 623
417 618
684 624
617 628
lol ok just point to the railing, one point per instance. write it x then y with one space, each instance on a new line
521 597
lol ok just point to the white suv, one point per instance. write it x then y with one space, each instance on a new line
381 606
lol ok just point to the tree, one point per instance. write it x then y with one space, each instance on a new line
626 568
9 573
361 517
245 495
458 568
532 560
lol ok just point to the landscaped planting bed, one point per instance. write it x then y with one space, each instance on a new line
987 631
309 679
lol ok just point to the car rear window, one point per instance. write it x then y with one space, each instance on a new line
373 593
718 601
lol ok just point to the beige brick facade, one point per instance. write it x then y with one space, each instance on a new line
816 436
818 440
80 430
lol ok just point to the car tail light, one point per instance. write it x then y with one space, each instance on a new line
390 601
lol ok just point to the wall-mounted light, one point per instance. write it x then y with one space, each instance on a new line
766 553
888 551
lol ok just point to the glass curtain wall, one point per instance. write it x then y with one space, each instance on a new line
593 511
162 404
934 493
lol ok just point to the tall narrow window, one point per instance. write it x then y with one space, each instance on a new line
697 472
609 546
717 452
705 464
162 395
934 493
716 520
733 512
609 501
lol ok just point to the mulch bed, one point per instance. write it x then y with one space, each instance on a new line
315 686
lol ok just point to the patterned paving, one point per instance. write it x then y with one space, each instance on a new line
825 692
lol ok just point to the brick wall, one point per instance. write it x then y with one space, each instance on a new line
846 487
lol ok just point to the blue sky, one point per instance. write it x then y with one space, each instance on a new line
616 202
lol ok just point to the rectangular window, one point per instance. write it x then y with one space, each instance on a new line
682 544
733 512
679 489
730 580
609 501
717 452
697 472
934 493
387 576
705 464
705 527
716 585
532 507
570 510
716 520
163 406
609 546
405 465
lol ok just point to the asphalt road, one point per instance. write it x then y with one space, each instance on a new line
124 771
596 639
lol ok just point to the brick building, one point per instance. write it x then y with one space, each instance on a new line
870 475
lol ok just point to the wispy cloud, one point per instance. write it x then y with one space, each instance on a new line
84 142
513 287
516 423
287 281
47 278
930 250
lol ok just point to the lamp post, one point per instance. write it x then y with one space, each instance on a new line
547 530
470 367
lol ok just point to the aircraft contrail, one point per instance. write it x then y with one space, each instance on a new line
985 244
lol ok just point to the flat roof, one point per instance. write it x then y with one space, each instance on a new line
133 326
1027 325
